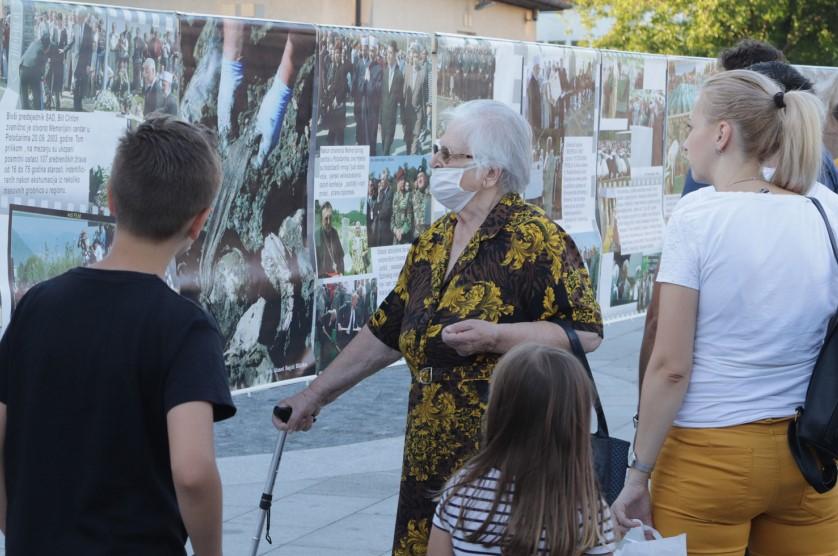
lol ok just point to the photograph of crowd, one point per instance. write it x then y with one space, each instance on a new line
398 200
646 110
620 74
343 308
78 58
375 90
47 242
614 158
626 276
684 79
252 267
340 237
465 70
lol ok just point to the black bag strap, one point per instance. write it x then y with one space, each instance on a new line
829 231
818 467
576 347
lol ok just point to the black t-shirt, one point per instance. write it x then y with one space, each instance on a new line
90 365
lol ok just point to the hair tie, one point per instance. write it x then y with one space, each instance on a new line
779 101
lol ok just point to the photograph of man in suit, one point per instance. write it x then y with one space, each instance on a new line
84 59
392 97
337 72
169 101
351 319
33 65
415 99
152 90
369 84
383 231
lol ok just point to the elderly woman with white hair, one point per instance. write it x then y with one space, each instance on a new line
491 274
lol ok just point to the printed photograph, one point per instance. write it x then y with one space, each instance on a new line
78 58
590 247
466 70
684 79
558 101
614 158
607 220
252 267
340 237
648 271
626 275
5 36
620 74
44 243
375 90
343 308
398 200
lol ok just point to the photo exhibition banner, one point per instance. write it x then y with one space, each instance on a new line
326 135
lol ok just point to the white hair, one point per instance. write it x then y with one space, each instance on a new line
149 63
497 137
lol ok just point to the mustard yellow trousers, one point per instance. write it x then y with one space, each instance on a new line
738 487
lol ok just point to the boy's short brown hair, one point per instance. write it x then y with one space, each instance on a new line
165 172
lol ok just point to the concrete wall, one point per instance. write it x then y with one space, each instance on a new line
445 16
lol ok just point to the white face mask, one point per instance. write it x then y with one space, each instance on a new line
445 187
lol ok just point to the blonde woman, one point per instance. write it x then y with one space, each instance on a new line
748 283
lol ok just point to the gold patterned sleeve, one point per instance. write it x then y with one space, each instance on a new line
386 322
563 290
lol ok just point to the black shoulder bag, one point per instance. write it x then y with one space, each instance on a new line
610 454
813 434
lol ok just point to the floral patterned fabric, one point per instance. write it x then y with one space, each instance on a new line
519 267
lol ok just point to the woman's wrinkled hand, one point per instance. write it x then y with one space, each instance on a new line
471 336
305 405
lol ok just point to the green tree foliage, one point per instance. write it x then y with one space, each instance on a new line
805 30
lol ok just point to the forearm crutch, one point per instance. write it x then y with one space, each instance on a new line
283 414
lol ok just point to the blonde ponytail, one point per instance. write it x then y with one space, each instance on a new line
800 143
769 123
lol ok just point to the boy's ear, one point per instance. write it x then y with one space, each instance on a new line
198 224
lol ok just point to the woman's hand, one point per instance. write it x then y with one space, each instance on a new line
305 405
471 336
633 502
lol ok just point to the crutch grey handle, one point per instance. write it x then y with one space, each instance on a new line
283 414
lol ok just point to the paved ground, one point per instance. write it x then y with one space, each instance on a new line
337 486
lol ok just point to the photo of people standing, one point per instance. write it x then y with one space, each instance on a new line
558 100
465 71
340 237
375 90
343 308
80 58
398 200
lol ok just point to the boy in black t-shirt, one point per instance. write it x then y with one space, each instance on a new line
110 381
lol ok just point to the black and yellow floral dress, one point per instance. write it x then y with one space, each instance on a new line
519 267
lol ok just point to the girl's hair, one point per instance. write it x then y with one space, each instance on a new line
769 122
536 432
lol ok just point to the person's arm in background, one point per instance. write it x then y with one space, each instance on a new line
649 330
195 475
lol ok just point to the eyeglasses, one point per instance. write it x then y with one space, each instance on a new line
445 155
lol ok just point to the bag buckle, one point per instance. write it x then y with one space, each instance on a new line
425 375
